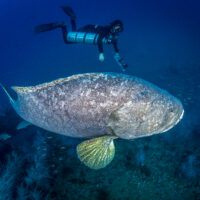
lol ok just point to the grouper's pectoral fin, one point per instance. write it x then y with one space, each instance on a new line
97 153
23 124
121 121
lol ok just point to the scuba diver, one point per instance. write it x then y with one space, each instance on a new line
89 34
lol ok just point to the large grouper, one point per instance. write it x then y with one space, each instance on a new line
100 107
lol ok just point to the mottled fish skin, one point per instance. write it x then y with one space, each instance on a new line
81 105
78 106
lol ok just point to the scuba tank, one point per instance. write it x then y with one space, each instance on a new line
83 37
92 38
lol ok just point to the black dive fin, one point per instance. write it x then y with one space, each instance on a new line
48 27
68 10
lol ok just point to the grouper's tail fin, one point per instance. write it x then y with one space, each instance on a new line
12 101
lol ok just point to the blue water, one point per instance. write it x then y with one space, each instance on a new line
160 43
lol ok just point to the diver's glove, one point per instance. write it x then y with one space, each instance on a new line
120 62
101 57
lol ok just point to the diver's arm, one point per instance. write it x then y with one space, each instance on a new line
115 46
100 47
103 32
118 58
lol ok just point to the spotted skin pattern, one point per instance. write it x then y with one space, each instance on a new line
91 105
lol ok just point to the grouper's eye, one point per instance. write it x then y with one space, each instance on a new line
171 108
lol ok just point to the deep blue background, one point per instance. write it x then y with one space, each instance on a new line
157 35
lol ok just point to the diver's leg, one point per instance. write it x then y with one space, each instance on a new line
52 26
68 10
49 27
73 23
64 33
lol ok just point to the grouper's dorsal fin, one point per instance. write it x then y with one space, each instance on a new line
20 90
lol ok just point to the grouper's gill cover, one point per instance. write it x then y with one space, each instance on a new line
97 104
148 112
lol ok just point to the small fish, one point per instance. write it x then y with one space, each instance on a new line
4 136
100 106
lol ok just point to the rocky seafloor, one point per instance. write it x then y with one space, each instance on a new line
39 165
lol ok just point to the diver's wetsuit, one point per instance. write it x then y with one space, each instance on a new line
89 34
103 35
